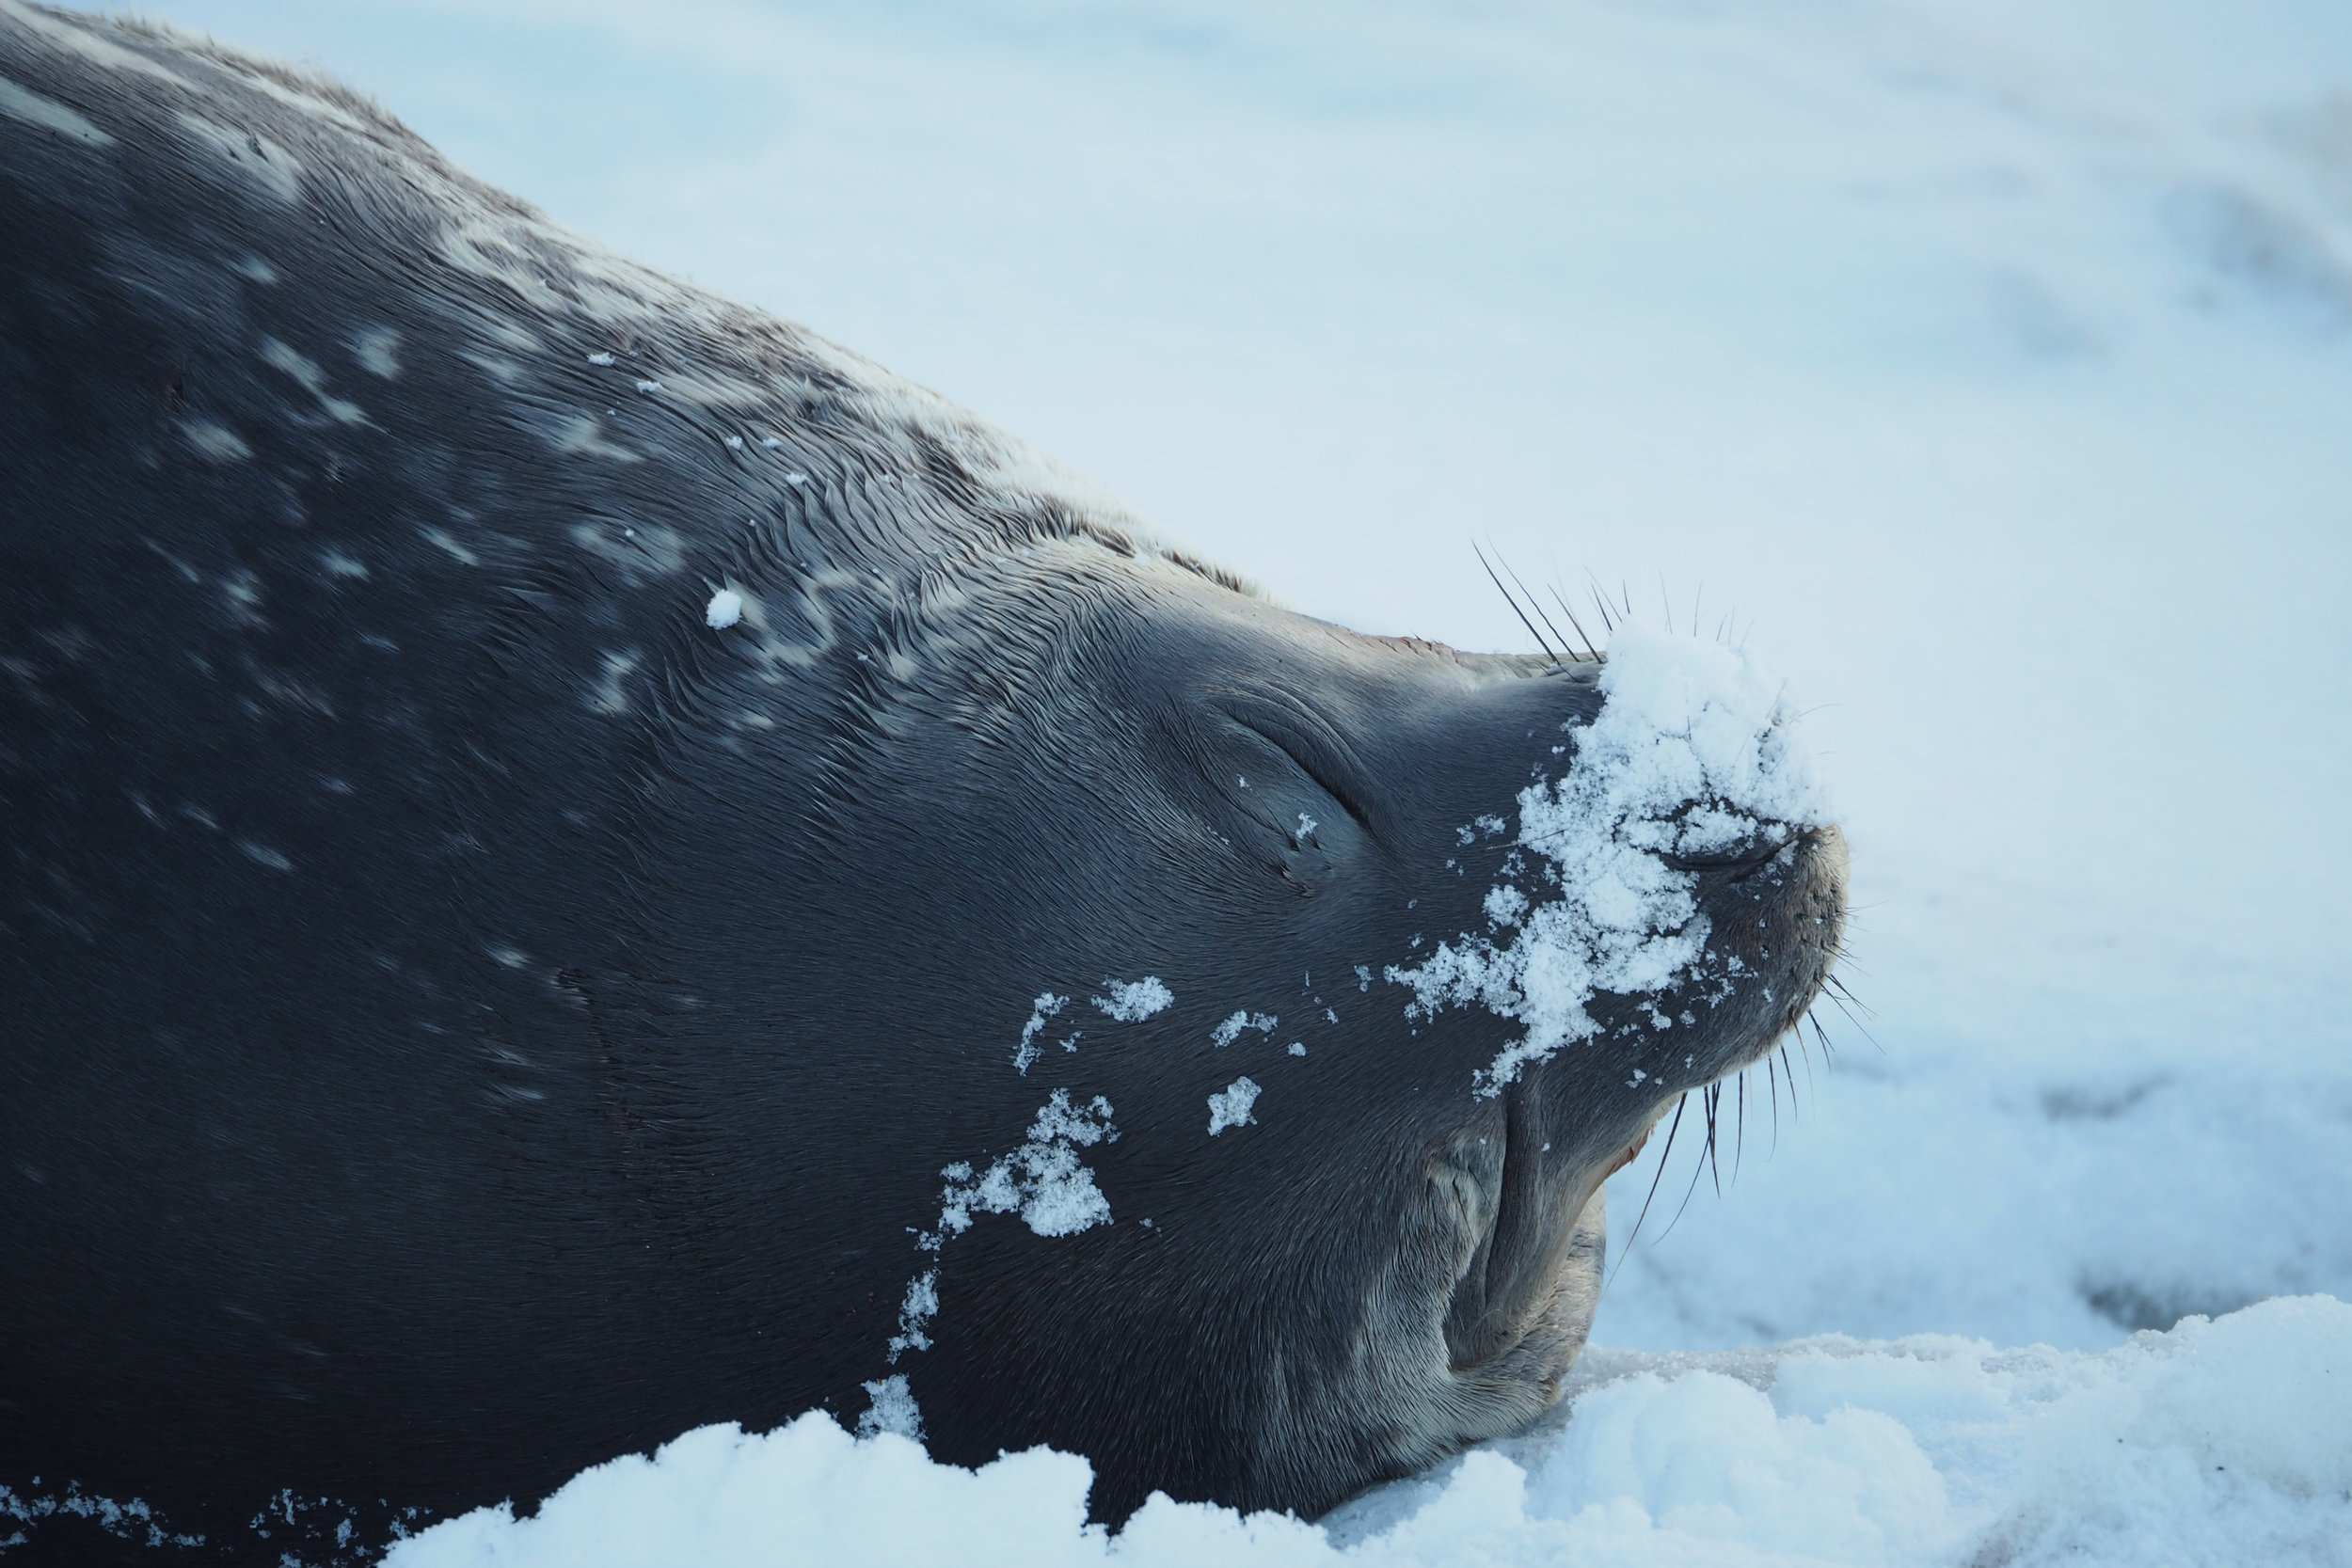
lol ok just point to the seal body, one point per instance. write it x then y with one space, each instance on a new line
577 862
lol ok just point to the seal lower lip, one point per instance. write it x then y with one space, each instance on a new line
1511 1276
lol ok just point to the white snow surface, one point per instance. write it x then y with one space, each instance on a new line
2224 1441
1979 364
1693 754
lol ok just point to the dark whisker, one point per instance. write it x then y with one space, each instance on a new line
1839 1003
1589 649
1514 604
1838 987
1698 1171
1533 603
1662 1155
1714 1102
1739 1111
1601 602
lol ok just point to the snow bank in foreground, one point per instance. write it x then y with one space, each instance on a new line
2224 1440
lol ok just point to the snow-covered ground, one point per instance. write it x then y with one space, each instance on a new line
2221 1442
1989 360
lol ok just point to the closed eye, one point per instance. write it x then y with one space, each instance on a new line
1309 740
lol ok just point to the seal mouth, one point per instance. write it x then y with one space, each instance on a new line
1507 1293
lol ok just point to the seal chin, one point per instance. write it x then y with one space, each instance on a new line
1528 1205
1554 1283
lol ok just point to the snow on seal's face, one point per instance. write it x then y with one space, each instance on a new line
1692 759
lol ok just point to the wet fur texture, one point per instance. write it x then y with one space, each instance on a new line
462 1018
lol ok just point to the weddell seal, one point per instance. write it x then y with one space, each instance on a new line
579 861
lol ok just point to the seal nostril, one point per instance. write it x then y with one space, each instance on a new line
1742 858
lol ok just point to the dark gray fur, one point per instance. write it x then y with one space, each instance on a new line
462 1018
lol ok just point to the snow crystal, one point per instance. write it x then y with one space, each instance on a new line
1228 1031
1692 753
1133 1001
724 610
1231 1108
920 1305
649 387
1046 1007
600 360
1042 1179
1298 1048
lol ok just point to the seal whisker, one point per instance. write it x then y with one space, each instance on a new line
1663 1154
1698 1171
1533 603
1841 989
1513 603
1740 1109
1714 1100
1839 1003
1590 651
1601 602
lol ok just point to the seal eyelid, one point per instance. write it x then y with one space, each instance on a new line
1311 743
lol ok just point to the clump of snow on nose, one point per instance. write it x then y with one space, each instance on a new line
1693 754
